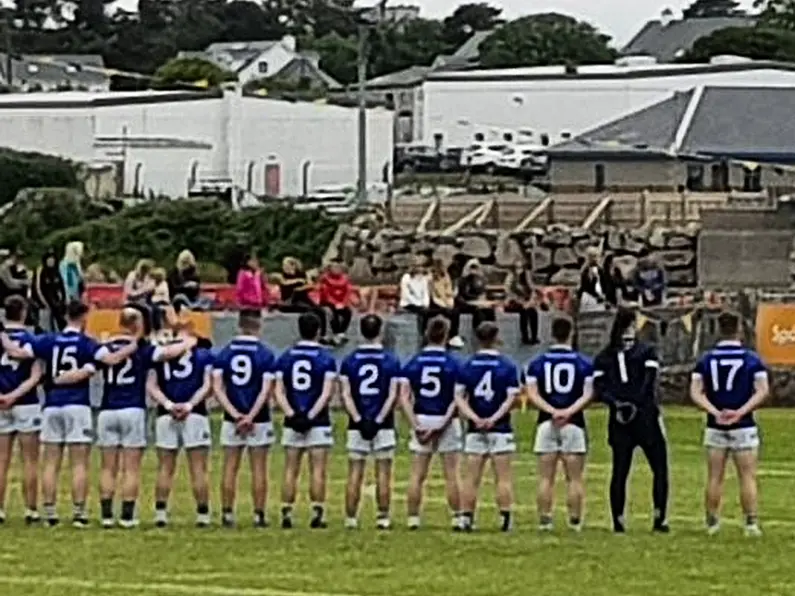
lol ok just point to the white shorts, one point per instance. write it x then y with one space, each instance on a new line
381 447
24 418
317 437
261 436
450 441
489 443
67 425
567 439
122 428
191 433
738 439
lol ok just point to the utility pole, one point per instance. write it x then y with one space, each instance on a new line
361 58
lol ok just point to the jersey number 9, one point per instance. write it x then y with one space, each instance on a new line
241 369
558 377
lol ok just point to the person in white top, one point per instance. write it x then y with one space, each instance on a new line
415 294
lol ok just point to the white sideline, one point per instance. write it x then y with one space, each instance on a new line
154 587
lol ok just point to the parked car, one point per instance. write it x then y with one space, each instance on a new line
482 158
512 158
419 158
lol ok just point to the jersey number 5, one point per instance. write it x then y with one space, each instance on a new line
430 382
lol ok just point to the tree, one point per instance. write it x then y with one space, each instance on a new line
545 39
191 70
337 56
757 43
468 18
702 9
777 13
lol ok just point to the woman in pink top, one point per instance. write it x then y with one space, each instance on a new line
251 289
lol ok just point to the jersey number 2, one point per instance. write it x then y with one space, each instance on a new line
369 374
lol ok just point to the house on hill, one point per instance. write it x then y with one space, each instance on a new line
53 72
705 139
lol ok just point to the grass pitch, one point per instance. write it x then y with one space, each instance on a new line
336 562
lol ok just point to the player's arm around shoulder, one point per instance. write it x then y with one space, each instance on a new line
174 350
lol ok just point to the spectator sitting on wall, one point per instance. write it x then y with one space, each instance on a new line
162 312
336 291
591 293
471 296
71 269
14 277
183 280
294 288
251 289
415 292
649 281
49 294
138 285
443 301
520 298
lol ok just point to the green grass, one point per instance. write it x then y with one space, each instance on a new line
245 562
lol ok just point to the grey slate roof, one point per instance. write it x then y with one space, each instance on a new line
650 129
664 42
413 75
740 122
48 70
304 66
466 56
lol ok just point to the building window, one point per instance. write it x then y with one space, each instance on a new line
545 140
695 177
263 67
479 137
719 173
599 177
752 179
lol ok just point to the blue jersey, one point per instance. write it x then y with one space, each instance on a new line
64 352
371 371
490 379
246 365
181 378
304 369
560 375
432 375
728 372
125 383
15 372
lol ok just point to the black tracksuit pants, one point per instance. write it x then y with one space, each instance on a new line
644 431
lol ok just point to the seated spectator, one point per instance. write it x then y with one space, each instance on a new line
162 311
14 277
138 285
335 291
649 282
183 280
49 294
251 289
414 292
590 293
520 298
294 288
471 296
443 301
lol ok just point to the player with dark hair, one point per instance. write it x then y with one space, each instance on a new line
625 378
20 412
729 383
428 401
488 386
369 378
243 379
305 379
180 388
67 420
560 385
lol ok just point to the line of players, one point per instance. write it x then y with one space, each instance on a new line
435 391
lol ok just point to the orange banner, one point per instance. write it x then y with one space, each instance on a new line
104 322
775 333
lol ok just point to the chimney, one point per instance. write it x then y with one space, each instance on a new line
288 41
666 17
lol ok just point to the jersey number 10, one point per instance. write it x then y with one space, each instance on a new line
559 377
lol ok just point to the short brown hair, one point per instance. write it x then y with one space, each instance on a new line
487 334
437 331
249 320
16 308
728 324
561 329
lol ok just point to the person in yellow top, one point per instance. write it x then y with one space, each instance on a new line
443 301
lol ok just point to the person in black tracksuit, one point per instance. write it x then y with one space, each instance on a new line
625 378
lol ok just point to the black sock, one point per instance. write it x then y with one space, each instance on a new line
160 506
202 509
506 519
128 510
750 520
106 508
287 511
468 517
259 515
226 511
712 520
318 511
574 521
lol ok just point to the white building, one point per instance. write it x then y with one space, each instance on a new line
166 139
554 103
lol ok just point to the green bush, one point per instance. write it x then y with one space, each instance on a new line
20 170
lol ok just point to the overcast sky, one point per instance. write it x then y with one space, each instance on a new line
618 18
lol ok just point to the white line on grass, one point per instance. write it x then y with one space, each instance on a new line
154 587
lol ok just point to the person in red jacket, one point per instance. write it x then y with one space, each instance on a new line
335 291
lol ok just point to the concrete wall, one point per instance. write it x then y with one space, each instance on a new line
580 176
559 104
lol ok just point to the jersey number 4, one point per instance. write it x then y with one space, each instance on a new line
732 365
483 389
